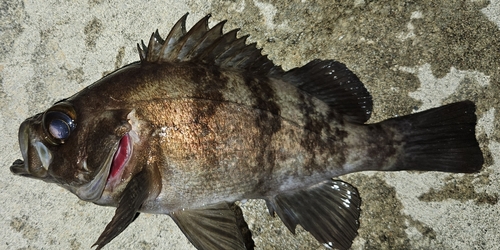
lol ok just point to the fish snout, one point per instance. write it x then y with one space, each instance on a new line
36 155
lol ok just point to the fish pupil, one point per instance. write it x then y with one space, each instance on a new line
59 129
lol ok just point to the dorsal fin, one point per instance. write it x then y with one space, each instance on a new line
333 83
329 81
206 45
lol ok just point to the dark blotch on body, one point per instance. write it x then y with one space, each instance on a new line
268 123
209 88
382 146
316 126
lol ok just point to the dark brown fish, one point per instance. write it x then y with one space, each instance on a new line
204 120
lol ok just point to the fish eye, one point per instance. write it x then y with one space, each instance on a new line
60 125
59 122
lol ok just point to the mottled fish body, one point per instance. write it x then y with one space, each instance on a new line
204 120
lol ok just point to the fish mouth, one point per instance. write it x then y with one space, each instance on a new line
36 155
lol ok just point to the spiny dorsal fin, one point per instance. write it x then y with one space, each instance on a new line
206 45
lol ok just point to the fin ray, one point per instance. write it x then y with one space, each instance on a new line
208 39
439 139
191 38
132 199
333 83
168 45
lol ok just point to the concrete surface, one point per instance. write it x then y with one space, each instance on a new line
411 55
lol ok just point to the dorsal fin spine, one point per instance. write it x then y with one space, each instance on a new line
208 38
193 37
152 52
222 44
173 37
244 53
142 54
234 51
206 45
211 37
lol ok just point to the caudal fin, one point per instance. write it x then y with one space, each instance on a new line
440 139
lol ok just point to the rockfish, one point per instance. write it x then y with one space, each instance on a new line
204 120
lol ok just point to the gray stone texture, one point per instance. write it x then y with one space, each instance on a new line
411 55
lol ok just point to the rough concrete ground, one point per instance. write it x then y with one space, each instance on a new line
412 55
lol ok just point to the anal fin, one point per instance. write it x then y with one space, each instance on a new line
329 211
214 227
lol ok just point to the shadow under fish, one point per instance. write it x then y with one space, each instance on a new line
204 120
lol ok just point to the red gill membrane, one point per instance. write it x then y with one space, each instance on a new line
121 157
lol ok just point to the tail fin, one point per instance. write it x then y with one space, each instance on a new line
440 139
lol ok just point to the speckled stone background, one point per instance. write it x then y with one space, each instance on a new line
412 55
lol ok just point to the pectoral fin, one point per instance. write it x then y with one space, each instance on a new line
214 227
133 197
329 211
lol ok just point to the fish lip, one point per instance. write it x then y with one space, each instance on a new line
23 135
18 168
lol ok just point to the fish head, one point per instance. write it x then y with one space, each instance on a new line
75 146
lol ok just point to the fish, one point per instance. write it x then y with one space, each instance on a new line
204 120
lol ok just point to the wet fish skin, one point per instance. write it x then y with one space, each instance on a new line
204 128
204 120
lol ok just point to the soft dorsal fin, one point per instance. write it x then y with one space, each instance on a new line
206 45
333 83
